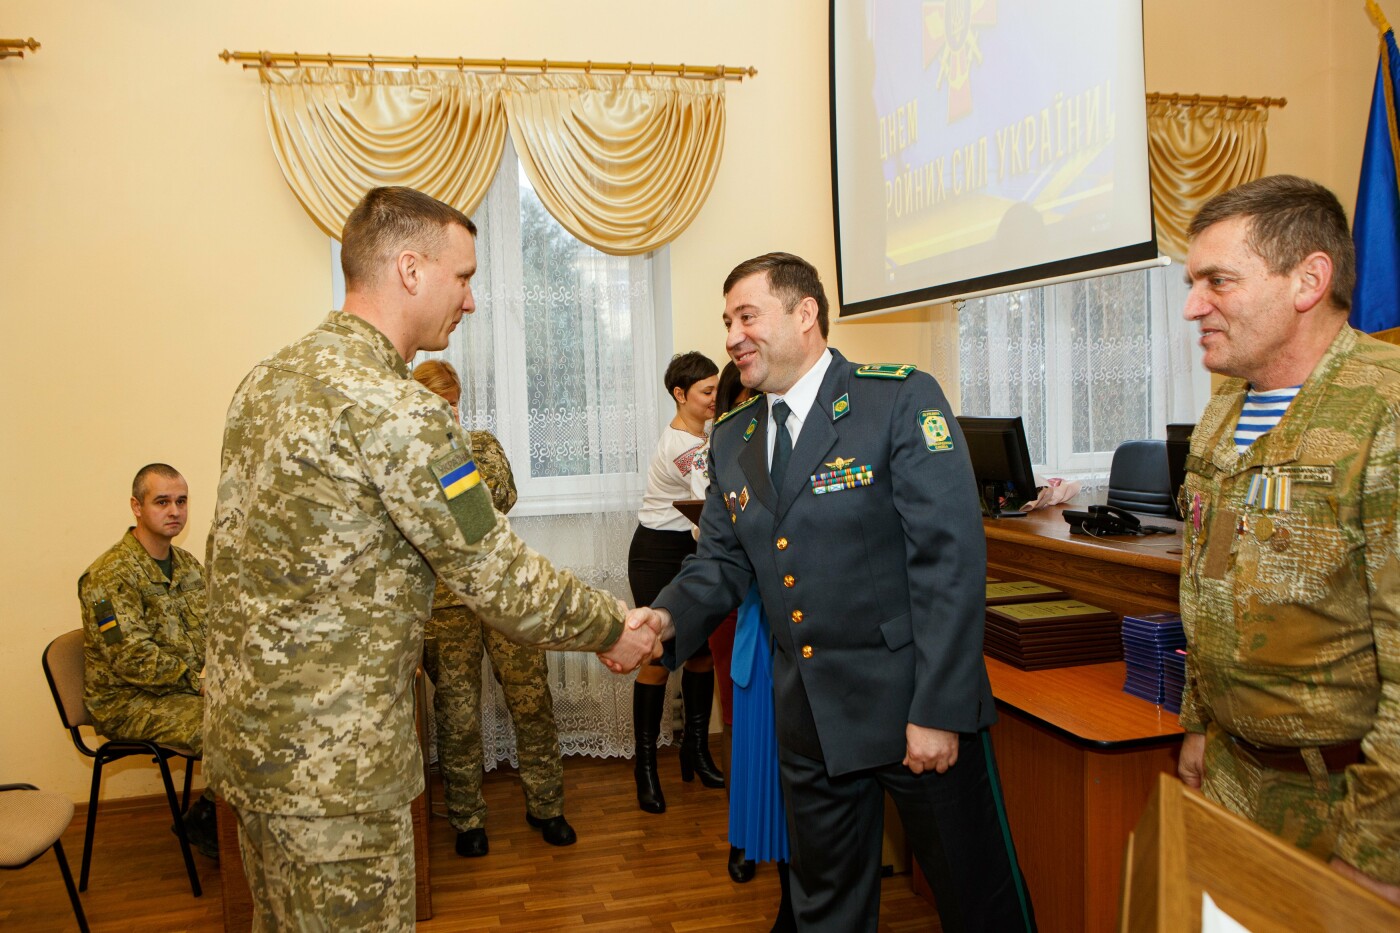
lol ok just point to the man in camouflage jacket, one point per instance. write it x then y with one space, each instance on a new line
346 487
1290 587
455 641
143 632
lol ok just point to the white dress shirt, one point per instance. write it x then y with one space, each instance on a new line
800 399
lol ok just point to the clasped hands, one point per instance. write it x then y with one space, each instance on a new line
643 630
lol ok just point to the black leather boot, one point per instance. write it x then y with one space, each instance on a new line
740 869
647 701
787 920
698 694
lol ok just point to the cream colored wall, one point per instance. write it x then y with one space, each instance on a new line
150 251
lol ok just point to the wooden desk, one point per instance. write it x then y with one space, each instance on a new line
1079 758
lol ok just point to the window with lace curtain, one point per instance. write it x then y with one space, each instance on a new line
559 360
1086 364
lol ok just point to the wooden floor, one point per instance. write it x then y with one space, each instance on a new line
629 870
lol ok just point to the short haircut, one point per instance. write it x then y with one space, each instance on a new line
686 369
790 277
438 376
138 484
1289 219
388 221
729 390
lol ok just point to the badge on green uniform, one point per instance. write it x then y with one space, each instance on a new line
841 407
468 498
107 625
935 428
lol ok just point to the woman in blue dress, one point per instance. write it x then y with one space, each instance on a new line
757 817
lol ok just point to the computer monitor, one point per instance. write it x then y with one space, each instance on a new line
1178 445
1001 462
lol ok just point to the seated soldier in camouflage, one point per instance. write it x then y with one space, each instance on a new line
453 644
143 621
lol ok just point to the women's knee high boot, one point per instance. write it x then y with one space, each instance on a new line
647 702
698 693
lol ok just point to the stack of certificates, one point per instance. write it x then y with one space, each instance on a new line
1156 672
1036 636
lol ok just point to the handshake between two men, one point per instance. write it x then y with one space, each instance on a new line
643 631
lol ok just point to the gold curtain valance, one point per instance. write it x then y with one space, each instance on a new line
624 163
1196 151
338 133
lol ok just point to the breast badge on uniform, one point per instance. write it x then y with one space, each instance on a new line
107 625
731 501
753 426
935 427
743 498
843 477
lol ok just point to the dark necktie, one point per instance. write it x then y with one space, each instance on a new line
782 445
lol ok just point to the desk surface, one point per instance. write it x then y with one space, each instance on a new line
1085 704
1047 529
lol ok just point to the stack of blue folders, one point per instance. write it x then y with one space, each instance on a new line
1153 647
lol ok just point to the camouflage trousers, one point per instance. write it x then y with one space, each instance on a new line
175 719
1299 808
454 642
337 874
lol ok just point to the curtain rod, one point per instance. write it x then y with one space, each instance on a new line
14 48
1238 103
502 65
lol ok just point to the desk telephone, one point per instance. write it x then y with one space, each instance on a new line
1109 520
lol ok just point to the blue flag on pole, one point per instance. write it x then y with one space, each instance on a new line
1375 304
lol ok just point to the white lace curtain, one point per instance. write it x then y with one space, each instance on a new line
558 363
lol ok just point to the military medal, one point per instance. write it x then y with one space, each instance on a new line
840 408
845 477
743 498
1279 540
1263 528
753 426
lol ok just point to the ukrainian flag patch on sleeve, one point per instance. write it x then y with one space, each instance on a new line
107 625
456 473
468 498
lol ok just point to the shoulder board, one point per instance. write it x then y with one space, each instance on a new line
736 409
885 370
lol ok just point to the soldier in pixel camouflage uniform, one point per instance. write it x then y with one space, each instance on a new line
345 489
1290 586
143 627
454 642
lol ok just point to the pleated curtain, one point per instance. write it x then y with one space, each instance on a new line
1195 152
623 162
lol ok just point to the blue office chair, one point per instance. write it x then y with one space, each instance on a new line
1139 480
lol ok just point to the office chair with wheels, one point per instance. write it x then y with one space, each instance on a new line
1139 480
31 823
63 666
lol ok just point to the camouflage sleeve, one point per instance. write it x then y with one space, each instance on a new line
491 460
429 482
116 623
1369 834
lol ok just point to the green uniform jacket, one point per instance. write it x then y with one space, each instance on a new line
345 486
143 634
1291 607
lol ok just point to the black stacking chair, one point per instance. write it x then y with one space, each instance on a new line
63 666
31 823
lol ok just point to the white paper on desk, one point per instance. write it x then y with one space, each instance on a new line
1215 920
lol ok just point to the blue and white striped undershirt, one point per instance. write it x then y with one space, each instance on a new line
1262 410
